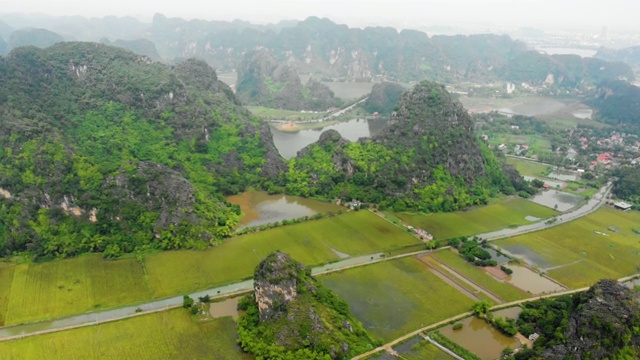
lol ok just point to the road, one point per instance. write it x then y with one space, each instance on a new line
17 331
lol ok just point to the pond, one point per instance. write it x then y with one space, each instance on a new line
531 282
534 107
480 338
568 51
584 114
228 307
259 208
558 200
563 175
289 143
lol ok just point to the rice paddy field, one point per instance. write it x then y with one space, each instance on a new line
311 243
424 350
509 212
526 167
499 288
600 245
395 297
59 288
173 334
30 292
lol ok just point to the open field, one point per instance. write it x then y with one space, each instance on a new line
312 243
395 297
59 288
424 350
279 114
6 279
170 334
501 289
536 143
526 167
508 212
576 255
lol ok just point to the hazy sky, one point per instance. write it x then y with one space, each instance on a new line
615 14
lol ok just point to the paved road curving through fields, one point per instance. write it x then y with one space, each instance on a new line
31 329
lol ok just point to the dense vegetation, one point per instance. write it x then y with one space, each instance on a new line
33 37
298 317
472 250
618 103
603 322
262 81
427 159
140 154
627 185
383 98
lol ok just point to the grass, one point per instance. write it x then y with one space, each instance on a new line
355 233
59 288
536 143
395 297
584 255
505 213
526 167
501 289
165 335
280 114
425 350
6 279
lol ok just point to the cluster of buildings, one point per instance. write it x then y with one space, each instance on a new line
610 150
421 232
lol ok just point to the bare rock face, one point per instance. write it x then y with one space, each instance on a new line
275 284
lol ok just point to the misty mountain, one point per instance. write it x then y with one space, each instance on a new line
139 46
33 37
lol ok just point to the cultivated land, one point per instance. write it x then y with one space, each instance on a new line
30 292
526 167
311 243
173 334
509 212
501 289
398 296
577 253
424 350
65 287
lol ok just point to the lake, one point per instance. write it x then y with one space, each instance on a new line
259 208
568 51
289 143
534 107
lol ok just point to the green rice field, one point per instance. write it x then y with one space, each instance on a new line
499 288
65 287
424 350
600 245
311 243
30 292
508 212
395 297
173 334
526 167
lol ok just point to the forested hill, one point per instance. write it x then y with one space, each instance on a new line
427 159
105 150
618 102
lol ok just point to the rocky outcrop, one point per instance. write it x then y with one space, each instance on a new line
383 98
275 284
606 321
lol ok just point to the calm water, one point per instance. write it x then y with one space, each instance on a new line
584 114
480 338
258 207
530 281
563 200
224 308
289 143
534 107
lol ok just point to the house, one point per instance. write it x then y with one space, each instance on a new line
515 127
605 158
534 336
621 205
502 147
546 186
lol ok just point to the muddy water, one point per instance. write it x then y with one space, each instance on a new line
558 200
512 312
534 107
289 143
530 281
258 207
480 338
500 259
224 308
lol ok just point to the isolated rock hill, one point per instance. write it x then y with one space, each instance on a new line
141 152
33 37
383 98
262 81
292 315
428 158
605 325
618 103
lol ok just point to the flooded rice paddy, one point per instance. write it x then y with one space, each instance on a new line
480 338
532 282
228 307
558 200
259 208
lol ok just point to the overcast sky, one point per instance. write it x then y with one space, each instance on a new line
615 14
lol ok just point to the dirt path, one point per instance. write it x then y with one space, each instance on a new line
466 280
448 279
